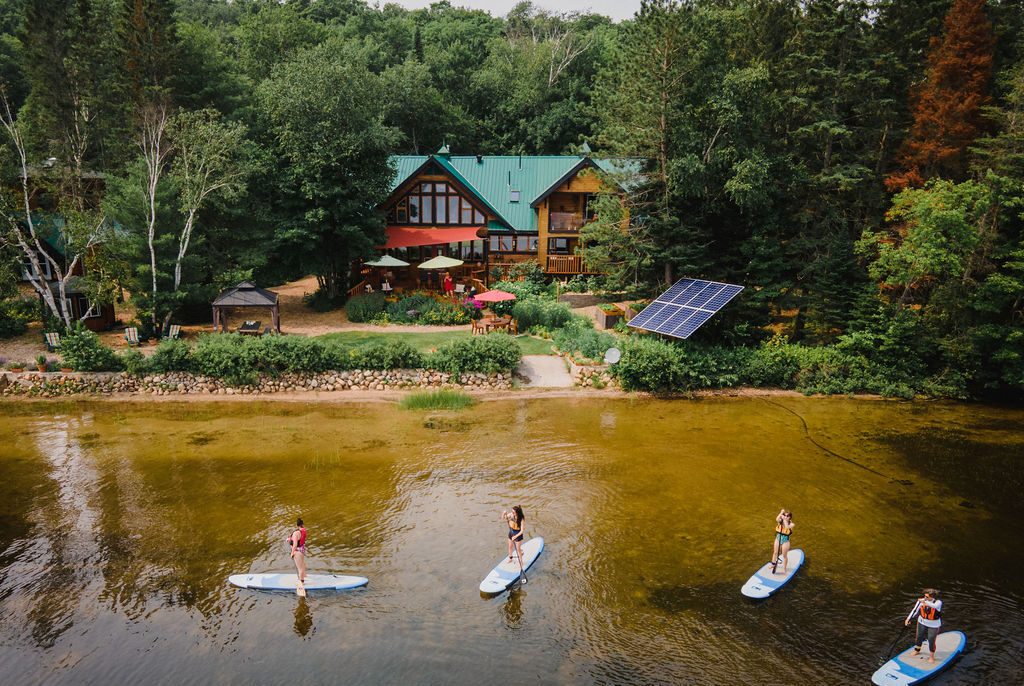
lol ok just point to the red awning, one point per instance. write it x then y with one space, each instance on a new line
408 237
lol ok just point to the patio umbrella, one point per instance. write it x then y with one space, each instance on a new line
494 296
387 261
440 262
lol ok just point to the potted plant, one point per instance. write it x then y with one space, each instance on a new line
66 368
41 362
16 367
633 309
608 315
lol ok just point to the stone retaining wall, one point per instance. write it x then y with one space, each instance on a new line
589 375
53 385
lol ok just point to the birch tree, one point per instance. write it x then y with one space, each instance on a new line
155 147
80 234
208 161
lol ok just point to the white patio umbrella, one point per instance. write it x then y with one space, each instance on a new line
440 262
387 261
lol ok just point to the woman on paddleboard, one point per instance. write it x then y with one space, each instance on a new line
515 519
297 541
783 530
929 620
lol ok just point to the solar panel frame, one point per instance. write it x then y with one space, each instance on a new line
686 306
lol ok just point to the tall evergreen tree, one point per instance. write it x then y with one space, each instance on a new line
948 105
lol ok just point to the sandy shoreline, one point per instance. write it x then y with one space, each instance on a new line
393 396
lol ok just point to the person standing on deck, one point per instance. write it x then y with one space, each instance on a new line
449 285
783 530
929 620
297 541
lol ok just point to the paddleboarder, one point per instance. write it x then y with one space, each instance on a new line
929 620
515 519
783 531
297 541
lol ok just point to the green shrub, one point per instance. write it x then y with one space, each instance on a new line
529 271
385 355
171 356
365 308
278 354
319 301
541 312
225 356
15 314
443 399
775 363
650 364
446 314
135 363
496 352
579 336
523 290
82 350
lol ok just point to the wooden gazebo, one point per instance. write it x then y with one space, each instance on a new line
246 294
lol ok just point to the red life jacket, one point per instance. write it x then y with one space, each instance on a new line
929 612
301 543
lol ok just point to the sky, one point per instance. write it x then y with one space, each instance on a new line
616 9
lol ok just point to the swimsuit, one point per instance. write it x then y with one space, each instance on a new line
782 535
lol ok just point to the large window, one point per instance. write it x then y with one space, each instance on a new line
435 203
514 244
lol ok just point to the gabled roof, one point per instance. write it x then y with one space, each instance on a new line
246 294
493 176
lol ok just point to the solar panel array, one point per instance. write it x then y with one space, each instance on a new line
682 309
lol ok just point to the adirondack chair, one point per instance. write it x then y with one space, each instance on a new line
52 341
131 335
173 332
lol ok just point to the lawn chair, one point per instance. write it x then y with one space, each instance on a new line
52 341
131 335
173 332
386 287
369 288
460 289
478 327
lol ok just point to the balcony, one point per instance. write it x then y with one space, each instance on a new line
566 264
565 222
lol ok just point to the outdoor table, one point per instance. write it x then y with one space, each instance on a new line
250 328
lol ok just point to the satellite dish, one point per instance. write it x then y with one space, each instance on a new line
612 355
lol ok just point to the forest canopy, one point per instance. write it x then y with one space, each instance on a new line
857 165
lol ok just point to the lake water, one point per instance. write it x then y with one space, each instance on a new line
119 525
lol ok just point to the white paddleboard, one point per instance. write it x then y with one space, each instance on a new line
908 668
288 582
764 583
507 573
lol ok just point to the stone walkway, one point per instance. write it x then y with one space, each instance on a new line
544 371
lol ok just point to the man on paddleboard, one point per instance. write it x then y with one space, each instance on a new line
929 619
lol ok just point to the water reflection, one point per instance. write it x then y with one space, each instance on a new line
303 619
119 526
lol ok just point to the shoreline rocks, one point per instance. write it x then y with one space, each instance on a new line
55 385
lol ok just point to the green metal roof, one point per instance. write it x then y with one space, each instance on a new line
494 176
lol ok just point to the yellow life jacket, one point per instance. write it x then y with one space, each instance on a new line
784 531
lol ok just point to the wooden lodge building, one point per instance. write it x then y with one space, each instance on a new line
491 211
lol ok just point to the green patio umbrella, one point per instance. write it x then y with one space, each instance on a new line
440 262
387 261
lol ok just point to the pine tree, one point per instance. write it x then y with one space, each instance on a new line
948 105
150 44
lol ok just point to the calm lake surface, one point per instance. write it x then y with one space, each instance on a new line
119 525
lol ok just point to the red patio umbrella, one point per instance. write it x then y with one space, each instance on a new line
494 296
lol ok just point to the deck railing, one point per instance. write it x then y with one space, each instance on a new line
565 264
565 222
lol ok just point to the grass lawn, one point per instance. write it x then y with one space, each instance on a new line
424 342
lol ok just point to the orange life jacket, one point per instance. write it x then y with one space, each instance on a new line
929 612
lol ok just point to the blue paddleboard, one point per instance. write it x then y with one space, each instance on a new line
288 582
764 583
507 573
908 668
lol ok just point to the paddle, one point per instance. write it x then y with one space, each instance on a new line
519 553
778 540
903 630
